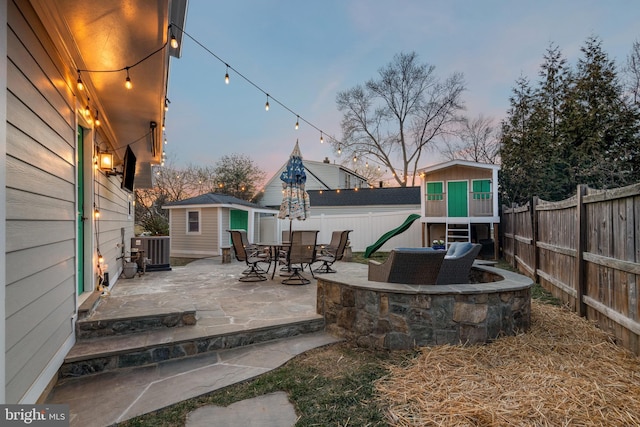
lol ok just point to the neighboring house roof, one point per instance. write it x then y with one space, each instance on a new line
459 163
211 199
366 197
314 172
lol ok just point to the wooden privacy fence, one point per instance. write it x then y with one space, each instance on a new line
586 251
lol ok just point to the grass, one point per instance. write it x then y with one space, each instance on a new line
329 386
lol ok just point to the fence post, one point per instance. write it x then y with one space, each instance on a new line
534 236
581 219
514 262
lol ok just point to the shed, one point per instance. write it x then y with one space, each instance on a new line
198 225
459 202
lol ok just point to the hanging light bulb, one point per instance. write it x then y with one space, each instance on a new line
100 258
166 104
87 110
163 127
165 141
80 84
339 149
97 119
266 106
96 213
366 165
174 41
127 81
226 76
297 120
321 138
355 159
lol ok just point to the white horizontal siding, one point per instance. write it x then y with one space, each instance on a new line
40 204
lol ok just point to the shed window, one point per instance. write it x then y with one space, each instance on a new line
434 191
482 189
193 221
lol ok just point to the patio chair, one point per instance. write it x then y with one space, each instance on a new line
332 253
457 263
251 248
412 267
302 251
251 257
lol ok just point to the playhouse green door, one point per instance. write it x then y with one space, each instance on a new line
457 199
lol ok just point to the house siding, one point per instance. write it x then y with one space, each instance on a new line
41 208
192 245
40 196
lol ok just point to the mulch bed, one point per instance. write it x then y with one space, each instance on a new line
562 372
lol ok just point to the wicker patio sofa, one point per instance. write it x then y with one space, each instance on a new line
457 263
412 267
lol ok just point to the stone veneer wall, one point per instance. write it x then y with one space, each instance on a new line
395 316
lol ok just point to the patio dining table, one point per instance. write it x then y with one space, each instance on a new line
274 252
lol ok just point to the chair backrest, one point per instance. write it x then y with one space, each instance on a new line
238 245
415 267
457 266
344 238
245 238
335 240
303 247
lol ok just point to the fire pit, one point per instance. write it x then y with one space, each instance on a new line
394 316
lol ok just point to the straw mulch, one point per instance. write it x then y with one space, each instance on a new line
562 372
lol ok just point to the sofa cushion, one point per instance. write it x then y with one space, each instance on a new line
459 250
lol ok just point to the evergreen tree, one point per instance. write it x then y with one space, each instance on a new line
515 175
552 167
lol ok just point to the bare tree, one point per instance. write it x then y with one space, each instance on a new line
632 73
395 118
477 141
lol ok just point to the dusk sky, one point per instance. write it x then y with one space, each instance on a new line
304 52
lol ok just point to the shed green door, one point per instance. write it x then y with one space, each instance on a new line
239 220
457 199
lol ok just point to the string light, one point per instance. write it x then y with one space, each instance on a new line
97 119
127 81
355 159
266 106
321 138
166 104
297 120
174 41
87 110
226 76
80 84
339 149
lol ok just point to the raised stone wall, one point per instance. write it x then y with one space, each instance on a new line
396 316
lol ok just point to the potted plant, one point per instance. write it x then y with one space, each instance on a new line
438 244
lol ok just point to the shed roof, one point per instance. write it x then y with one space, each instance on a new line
459 163
211 199
366 197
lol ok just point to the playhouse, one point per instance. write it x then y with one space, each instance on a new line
459 202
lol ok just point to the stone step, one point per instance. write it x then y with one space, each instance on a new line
92 356
91 327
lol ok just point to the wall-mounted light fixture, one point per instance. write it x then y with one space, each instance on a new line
105 161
